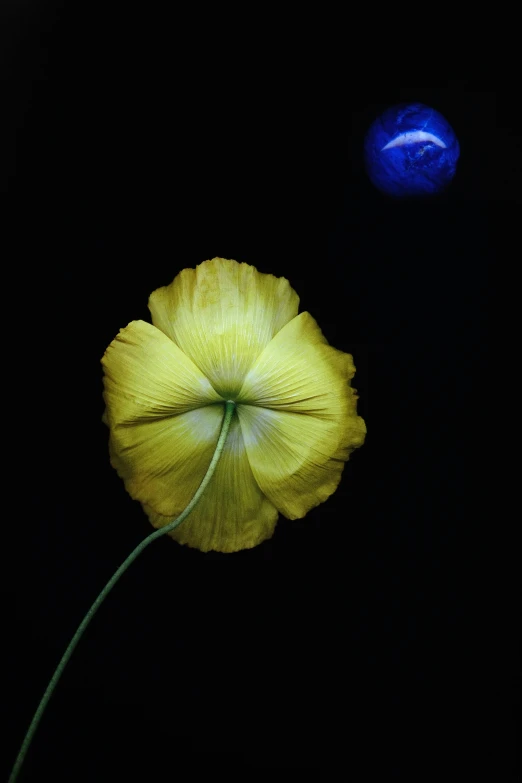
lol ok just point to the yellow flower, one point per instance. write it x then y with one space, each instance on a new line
224 331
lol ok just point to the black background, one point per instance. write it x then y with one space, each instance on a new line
133 148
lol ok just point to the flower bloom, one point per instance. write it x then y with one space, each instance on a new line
224 331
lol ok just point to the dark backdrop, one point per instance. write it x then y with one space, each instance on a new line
134 148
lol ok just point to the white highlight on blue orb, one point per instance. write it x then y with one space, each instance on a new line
411 138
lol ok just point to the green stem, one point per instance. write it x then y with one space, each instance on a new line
229 409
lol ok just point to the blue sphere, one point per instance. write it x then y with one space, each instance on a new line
411 151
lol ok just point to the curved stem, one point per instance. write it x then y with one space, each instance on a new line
229 409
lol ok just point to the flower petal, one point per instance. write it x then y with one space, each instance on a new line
232 513
147 377
298 417
162 462
222 315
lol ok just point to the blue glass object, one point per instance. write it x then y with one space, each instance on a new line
411 151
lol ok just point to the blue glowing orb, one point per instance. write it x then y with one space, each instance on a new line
411 151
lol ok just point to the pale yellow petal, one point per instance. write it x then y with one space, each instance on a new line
147 377
162 462
222 315
232 513
298 417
